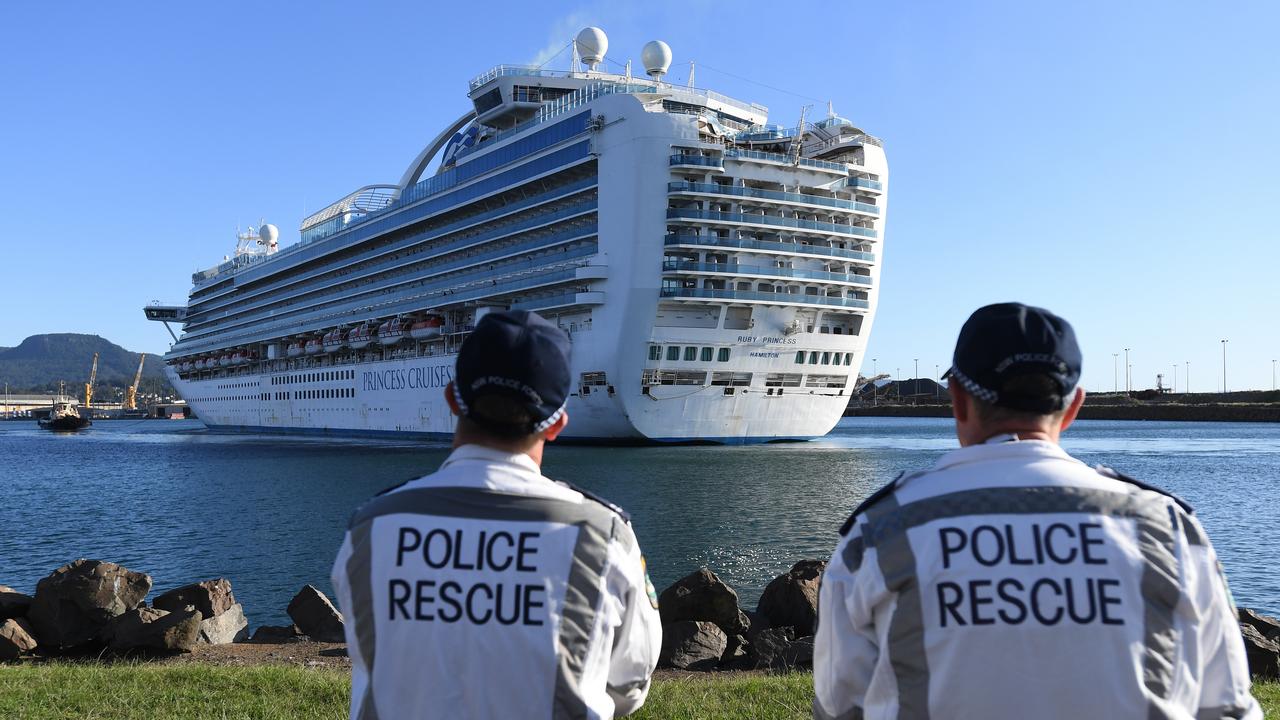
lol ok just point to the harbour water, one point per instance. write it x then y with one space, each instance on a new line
184 504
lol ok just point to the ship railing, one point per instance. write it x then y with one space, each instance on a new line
786 160
736 269
755 219
740 191
477 277
778 298
864 183
401 303
698 160
529 224
749 244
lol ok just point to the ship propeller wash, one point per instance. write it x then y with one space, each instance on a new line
717 274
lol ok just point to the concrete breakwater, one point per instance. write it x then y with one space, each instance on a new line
1204 412
96 608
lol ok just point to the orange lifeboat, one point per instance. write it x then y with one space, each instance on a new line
392 331
334 340
361 337
427 327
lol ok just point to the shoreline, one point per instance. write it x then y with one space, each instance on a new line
1209 412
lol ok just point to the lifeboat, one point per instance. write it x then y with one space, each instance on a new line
392 331
361 337
313 347
185 366
199 364
239 358
224 360
428 327
294 349
334 340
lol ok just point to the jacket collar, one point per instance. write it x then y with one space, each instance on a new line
1003 447
480 453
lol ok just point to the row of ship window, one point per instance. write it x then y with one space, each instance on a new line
690 353
826 358
741 379
322 376
318 394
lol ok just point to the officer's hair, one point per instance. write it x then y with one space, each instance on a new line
502 417
1034 385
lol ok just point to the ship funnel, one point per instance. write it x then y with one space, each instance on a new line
591 45
656 56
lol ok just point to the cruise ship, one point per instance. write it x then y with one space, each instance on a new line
717 274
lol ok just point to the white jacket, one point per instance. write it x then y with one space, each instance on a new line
1013 581
486 590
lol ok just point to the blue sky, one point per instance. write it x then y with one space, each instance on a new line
1117 162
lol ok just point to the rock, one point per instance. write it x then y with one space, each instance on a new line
1266 625
273 634
316 616
701 595
791 599
757 623
770 647
228 627
15 638
211 598
1263 654
691 645
798 654
13 604
76 602
151 629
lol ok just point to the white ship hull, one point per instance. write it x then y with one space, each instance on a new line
405 398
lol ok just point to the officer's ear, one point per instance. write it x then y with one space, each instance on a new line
1073 410
557 427
453 401
960 407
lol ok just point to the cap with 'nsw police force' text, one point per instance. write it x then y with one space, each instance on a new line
1008 340
520 355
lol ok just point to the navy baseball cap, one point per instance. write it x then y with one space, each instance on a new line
1008 340
520 355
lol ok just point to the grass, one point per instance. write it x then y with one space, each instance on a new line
128 691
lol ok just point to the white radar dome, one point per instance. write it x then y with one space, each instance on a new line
592 45
269 233
656 56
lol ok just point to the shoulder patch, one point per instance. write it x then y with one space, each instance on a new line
617 510
1114 474
875 497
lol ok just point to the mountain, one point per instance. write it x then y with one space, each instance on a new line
42 360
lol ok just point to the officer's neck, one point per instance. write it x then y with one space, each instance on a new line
514 447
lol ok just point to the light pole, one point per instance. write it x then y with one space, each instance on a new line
1128 370
1273 377
875 389
1175 378
1187 390
1115 372
915 380
1224 367
937 387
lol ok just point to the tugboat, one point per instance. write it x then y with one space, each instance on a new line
65 418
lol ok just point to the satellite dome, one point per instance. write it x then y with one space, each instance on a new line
656 56
269 233
592 44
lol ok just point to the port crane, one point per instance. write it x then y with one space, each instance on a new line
88 387
131 395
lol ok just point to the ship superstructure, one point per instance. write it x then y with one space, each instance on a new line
717 274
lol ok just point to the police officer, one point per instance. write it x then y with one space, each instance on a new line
1014 581
486 590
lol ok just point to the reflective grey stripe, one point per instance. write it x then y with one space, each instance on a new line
1192 532
853 713
1222 712
886 529
359 569
852 554
906 628
581 604
479 504
1160 593
597 526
